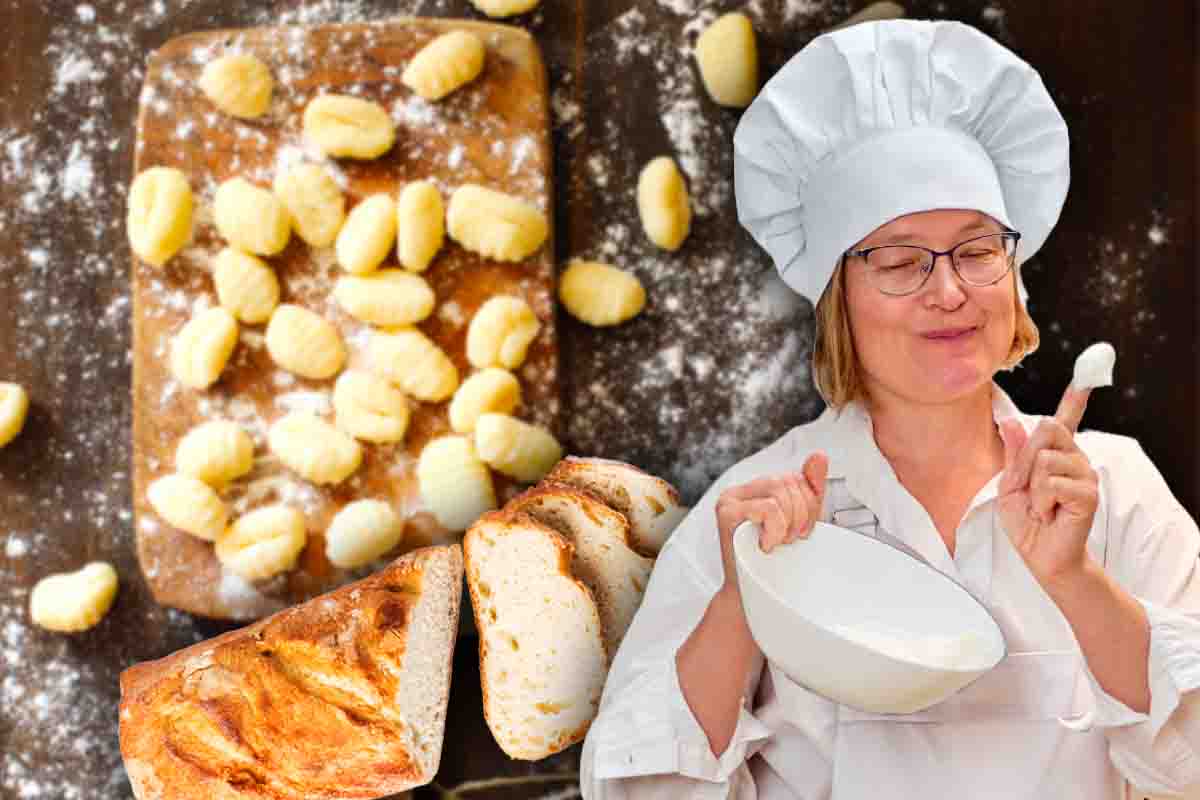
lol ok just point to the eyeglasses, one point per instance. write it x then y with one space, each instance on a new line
900 269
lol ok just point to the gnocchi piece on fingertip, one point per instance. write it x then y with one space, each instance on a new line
189 504
263 543
201 349
14 408
304 343
420 225
663 203
216 452
368 234
72 602
251 218
727 55
387 297
455 484
491 389
447 63
239 84
504 8
369 408
494 224
245 285
315 201
414 362
362 532
314 449
343 126
516 448
159 217
600 294
500 333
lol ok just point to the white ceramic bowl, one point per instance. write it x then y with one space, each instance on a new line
861 622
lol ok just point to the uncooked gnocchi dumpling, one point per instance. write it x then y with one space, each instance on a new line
304 343
663 203
315 202
263 543
420 225
350 127
189 504
728 58
369 408
495 224
245 285
456 485
159 220
491 389
314 449
362 532
201 349
600 294
14 406
251 218
451 60
238 84
387 297
414 362
364 241
500 333
516 448
70 602
216 452
504 8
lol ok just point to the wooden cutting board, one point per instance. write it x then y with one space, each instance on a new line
494 131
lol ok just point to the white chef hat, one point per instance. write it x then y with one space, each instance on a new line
882 119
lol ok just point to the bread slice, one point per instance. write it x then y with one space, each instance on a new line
341 697
603 558
651 504
542 662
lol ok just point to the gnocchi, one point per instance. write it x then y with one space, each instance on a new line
516 448
727 55
263 543
245 285
387 297
14 407
449 62
304 343
663 203
251 218
494 224
71 602
600 294
364 241
504 8
314 449
215 452
201 349
159 217
239 84
420 225
455 484
349 127
314 201
490 389
362 532
369 408
189 504
500 333
412 361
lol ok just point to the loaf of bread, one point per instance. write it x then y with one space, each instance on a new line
342 697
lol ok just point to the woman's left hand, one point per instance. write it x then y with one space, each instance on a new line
1049 492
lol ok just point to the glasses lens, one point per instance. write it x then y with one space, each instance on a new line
985 260
898 269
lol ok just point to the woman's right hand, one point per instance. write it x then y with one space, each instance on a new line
784 508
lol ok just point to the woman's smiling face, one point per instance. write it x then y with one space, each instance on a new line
943 341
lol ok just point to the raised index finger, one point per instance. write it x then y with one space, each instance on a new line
1071 407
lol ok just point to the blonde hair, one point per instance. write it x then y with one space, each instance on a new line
836 369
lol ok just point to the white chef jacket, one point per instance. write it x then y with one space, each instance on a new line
1037 726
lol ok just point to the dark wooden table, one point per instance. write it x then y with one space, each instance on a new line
713 370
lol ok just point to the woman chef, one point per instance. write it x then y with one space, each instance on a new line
900 173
